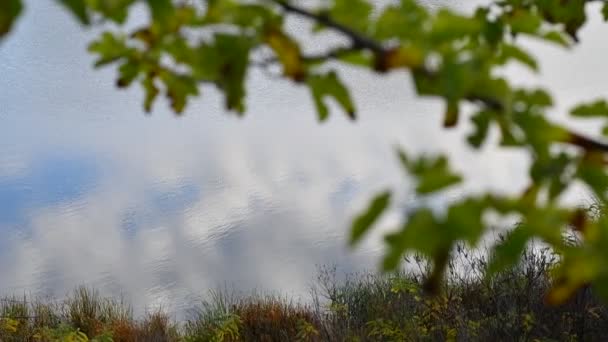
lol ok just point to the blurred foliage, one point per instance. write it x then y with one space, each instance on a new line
472 306
455 57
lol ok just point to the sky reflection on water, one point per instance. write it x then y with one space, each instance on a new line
161 209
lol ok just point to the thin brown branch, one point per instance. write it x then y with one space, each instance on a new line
587 143
335 53
331 54
358 40
573 138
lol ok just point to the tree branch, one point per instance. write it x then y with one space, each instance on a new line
334 53
359 40
573 138
586 143
331 54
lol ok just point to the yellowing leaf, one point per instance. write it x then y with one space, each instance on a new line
576 270
401 57
451 114
288 52
9 325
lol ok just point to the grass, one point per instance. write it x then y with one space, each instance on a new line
358 307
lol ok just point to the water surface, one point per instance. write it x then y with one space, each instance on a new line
160 209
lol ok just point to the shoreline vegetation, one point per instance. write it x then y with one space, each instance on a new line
508 306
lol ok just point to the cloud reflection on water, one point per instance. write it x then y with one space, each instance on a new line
162 209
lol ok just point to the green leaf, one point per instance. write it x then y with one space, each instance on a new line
181 51
540 98
421 232
9 11
481 121
178 88
206 61
508 251
223 61
233 61
557 38
523 21
552 170
597 108
364 221
404 21
493 31
128 71
547 223
539 132
352 13
451 26
432 173
78 8
465 220
571 14
329 85
161 10
435 181
593 172
239 14
605 11
151 91
509 51
109 47
115 10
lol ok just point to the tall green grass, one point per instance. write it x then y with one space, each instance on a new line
357 307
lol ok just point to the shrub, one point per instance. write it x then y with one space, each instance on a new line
471 306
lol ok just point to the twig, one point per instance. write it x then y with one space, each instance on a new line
359 40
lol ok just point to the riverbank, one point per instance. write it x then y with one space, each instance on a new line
358 307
